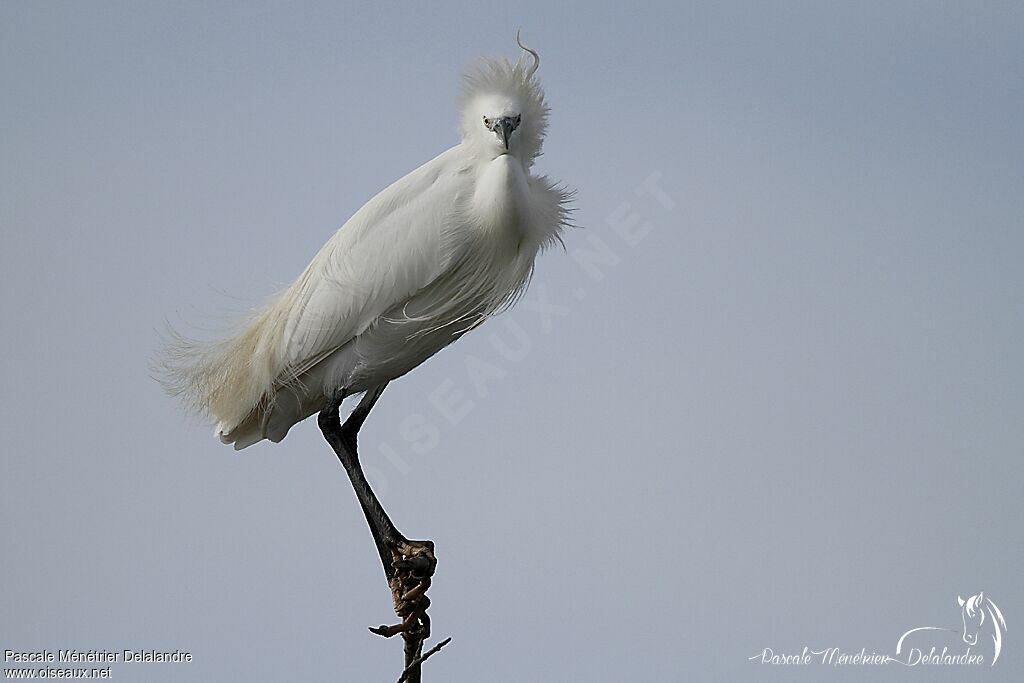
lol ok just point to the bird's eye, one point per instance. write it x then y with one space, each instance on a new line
487 122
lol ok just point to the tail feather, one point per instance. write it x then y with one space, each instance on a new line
236 382
273 421
225 381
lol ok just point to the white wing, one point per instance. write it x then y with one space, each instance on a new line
390 249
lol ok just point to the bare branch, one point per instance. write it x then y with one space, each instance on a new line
419 660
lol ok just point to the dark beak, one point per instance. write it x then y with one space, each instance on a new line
504 127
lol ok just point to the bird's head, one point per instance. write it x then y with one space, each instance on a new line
503 108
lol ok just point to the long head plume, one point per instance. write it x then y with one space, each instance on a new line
533 53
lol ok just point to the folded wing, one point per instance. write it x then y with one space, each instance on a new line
390 249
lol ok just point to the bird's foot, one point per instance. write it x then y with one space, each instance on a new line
414 563
414 557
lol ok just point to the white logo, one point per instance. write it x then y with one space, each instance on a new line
976 611
978 614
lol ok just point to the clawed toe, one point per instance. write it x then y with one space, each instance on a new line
413 564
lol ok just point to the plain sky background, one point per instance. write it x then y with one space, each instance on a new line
788 413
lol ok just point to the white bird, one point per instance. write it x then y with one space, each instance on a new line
426 260
422 263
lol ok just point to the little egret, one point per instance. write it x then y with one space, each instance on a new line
421 264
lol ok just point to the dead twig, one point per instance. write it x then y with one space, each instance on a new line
422 658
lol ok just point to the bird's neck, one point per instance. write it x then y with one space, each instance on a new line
483 150
500 198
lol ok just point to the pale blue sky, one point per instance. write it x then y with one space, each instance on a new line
789 414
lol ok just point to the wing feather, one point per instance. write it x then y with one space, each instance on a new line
389 250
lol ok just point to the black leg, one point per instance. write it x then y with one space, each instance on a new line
342 438
408 565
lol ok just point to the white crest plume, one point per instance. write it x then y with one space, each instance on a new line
497 77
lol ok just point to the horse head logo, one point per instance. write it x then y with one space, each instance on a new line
977 611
